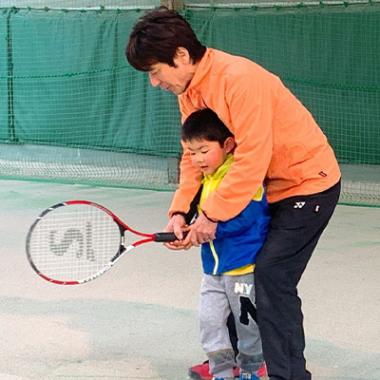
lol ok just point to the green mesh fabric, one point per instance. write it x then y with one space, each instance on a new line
73 110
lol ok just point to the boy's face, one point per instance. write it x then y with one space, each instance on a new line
209 155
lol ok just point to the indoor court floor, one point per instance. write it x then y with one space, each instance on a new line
139 320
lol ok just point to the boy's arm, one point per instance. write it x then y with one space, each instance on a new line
193 211
240 223
179 220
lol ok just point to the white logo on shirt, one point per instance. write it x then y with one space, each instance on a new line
242 288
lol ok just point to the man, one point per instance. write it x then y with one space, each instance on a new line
277 141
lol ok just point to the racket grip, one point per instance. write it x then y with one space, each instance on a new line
164 237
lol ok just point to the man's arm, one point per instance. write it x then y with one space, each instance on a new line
249 105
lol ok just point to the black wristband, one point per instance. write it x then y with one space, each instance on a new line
179 213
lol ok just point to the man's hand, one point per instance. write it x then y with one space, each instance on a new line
201 231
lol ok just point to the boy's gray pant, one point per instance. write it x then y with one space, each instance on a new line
219 296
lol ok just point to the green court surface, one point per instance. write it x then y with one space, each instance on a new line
139 320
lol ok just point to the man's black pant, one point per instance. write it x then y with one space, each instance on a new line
297 224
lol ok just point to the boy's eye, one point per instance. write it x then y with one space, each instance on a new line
204 151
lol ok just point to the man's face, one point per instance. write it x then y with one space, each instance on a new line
173 79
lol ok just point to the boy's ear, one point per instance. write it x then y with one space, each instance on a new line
229 144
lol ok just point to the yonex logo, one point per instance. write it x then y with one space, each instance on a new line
299 204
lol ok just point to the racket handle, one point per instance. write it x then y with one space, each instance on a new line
164 237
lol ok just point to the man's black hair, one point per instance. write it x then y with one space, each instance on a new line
156 37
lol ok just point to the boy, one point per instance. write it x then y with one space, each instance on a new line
228 260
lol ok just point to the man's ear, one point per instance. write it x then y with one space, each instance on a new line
182 54
229 144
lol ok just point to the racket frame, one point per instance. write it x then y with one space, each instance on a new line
123 227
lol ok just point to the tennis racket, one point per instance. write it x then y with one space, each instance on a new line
76 241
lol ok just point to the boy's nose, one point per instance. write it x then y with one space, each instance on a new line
199 160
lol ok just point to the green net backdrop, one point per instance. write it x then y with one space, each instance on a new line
73 110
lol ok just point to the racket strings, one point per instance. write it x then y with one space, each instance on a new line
74 242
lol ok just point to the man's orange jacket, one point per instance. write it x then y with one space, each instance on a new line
278 142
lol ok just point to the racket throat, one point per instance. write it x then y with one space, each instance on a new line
123 247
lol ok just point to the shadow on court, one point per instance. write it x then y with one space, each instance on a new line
139 320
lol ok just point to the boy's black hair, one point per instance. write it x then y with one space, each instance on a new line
156 37
205 124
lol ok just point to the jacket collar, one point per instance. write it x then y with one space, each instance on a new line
204 66
221 171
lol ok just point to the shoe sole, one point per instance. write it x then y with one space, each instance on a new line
195 376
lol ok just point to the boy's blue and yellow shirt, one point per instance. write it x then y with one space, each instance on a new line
238 240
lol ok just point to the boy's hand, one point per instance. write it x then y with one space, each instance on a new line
201 231
177 224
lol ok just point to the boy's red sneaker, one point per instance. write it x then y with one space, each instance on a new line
262 371
202 372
